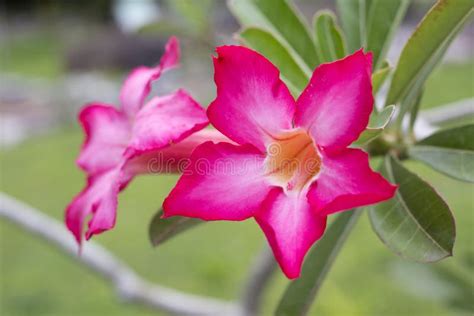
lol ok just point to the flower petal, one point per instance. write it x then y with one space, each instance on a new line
174 158
336 105
98 198
138 84
291 228
107 131
346 181
165 120
222 182
252 103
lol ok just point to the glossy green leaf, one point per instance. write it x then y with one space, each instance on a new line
382 21
377 122
379 76
300 293
425 48
162 229
328 37
416 224
449 151
353 17
283 20
265 43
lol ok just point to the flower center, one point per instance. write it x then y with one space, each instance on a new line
292 160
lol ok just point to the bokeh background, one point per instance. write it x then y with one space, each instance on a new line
57 55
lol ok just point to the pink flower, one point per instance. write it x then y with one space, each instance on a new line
121 143
292 166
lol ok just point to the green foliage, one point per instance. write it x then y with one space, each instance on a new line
417 224
425 49
371 24
281 19
377 122
162 229
449 151
353 17
300 293
382 21
328 37
265 43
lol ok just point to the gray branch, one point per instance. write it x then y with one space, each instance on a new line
449 112
128 284
429 120
259 276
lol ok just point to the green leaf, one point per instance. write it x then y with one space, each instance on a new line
379 76
282 20
328 36
425 48
162 229
353 17
449 151
382 22
377 122
416 224
301 292
414 109
265 43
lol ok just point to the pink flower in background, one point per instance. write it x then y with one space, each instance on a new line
292 166
120 143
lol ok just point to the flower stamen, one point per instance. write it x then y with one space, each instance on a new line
292 160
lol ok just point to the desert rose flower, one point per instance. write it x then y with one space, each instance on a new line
291 166
136 138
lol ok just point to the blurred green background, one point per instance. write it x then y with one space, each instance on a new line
212 259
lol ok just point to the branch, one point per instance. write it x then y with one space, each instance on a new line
259 276
429 120
130 286
449 112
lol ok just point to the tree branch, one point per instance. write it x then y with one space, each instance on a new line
449 112
259 276
130 286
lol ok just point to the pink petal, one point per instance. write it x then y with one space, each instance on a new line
138 84
291 227
174 158
336 105
165 120
222 182
346 181
99 198
170 58
252 103
107 131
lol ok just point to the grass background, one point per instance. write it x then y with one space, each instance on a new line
211 259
